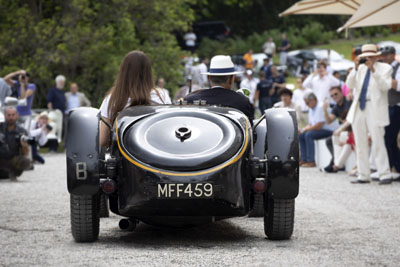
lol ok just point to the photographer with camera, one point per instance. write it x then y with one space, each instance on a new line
24 91
39 130
5 90
14 148
368 113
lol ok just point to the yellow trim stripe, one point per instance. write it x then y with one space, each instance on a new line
185 173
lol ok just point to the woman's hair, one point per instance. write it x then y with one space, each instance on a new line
134 82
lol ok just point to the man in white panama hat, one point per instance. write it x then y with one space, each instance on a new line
369 112
221 77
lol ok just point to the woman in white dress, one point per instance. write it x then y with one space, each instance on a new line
132 87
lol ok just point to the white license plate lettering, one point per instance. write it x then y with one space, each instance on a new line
162 190
178 189
171 189
188 190
197 190
181 190
208 190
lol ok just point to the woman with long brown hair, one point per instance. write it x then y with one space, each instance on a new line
132 87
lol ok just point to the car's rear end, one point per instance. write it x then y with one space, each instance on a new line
182 161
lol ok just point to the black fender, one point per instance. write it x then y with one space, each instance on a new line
282 151
82 149
260 133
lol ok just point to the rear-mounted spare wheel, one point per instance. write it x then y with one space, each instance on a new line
183 140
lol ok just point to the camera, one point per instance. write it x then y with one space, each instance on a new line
23 76
362 60
29 140
49 128
357 52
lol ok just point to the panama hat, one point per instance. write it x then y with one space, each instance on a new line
221 66
369 50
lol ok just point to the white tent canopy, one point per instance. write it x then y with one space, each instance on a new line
374 13
323 7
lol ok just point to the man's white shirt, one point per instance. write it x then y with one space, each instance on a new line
321 86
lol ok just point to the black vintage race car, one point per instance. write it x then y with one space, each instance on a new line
183 165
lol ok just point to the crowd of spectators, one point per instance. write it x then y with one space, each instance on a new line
351 113
323 100
24 130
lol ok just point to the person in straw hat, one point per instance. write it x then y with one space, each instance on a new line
221 78
369 112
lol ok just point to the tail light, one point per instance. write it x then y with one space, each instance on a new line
259 185
108 186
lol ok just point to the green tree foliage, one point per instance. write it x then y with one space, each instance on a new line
311 34
245 17
85 40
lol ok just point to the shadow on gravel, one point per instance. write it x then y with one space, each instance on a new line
205 236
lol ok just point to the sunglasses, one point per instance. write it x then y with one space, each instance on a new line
335 94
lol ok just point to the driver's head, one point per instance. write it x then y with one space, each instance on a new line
222 72
11 116
223 81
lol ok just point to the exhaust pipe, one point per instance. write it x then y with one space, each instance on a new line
127 224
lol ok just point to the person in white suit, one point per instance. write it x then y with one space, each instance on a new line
369 112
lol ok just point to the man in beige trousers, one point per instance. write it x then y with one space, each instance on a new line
369 112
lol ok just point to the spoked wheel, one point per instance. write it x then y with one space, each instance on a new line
104 210
279 218
258 206
85 222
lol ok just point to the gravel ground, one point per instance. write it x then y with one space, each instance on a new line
337 224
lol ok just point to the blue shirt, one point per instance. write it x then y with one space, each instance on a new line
73 102
57 98
316 115
25 110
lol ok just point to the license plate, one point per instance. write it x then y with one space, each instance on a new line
184 190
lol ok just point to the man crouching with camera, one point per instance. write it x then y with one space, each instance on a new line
14 148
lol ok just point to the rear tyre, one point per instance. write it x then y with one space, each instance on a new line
85 222
258 206
279 219
104 211
4 174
